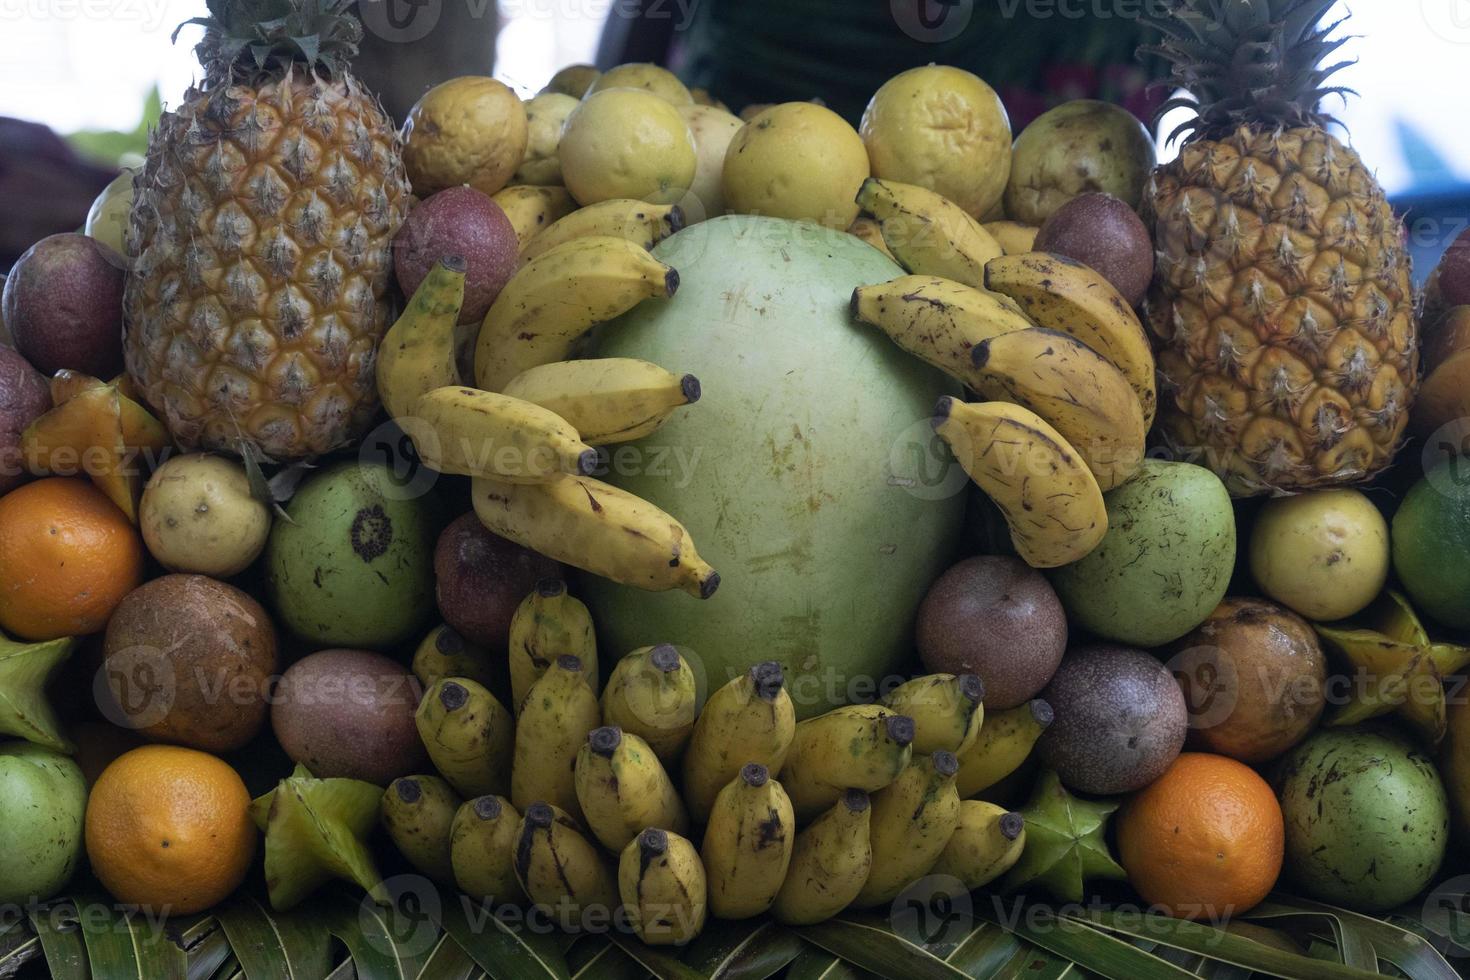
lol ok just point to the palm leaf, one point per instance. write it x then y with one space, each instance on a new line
1103 954
869 942
500 948
748 950
448 961
61 941
368 931
275 947
661 965
816 963
207 951
598 958
1363 940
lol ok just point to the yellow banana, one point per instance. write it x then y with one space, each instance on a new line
747 844
829 863
986 842
480 433
606 399
1050 499
445 653
1004 742
598 528
548 623
558 296
482 846
1063 294
860 746
641 223
662 884
749 719
1075 389
417 354
867 229
928 234
532 209
623 788
558 713
469 735
651 693
562 871
913 819
946 710
937 320
417 812
1013 237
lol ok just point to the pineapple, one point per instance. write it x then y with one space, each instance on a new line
1282 305
260 238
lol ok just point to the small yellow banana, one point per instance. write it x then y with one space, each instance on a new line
913 819
1004 742
749 719
562 871
867 229
1050 499
417 812
946 710
469 735
829 863
986 842
1063 294
928 234
532 209
641 223
598 528
859 746
445 653
558 296
480 433
1013 237
417 354
663 887
606 399
651 693
482 846
747 844
623 788
548 623
558 713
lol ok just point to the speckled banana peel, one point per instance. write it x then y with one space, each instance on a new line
444 652
598 528
557 297
548 623
652 693
927 233
623 788
417 354
858 746
662 884
469 735
829 863
747 844
418 812
913 819
532 210
748 719
558 712
986 843
469 432
607 399
1051 501
867 229
946 708
641 223
560 870
482 849
1005 740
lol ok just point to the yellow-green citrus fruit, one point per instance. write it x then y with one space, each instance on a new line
546 114
796 160
712 129
1322 554
469 130
625 142
651 78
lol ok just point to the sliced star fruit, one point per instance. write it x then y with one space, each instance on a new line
25 711
1066 842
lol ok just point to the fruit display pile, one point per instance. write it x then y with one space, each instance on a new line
720 536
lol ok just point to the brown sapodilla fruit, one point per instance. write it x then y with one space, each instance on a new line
1101 231
480 579
464 222
63 305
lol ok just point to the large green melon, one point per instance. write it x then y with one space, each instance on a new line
807 473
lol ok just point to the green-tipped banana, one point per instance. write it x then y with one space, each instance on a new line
927 233
417 354
829 863
623 788
418 812
608 399
651 693
445 653
1004 742
482 847
317 830
469 735
662 884
548 623
480 433
860 746
639 222
913 819
750 719
946 710
558 713
747 844
25 711
987 842
561 870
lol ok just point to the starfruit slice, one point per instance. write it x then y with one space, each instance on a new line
1066 842
25 711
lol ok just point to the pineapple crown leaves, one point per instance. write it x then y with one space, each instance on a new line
1248 62
246 39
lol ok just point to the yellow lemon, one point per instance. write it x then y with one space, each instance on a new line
469 130
796 160
107 219
941 128
545 116
573 80
660 81
625 142
713 129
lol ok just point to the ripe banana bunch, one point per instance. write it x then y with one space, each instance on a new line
928 234
598 528
417 354
747 844
986 843
555 720
561 870
623 788
749 719
482 848
859 746
418 812
548 623
557 297
652 693
468 734
913 819
445 653
481 433
1004 742
641 223
946 710
608 399
830 863
533 209
663 887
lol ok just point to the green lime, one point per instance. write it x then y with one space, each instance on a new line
1431 537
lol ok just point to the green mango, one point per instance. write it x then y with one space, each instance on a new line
43 799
